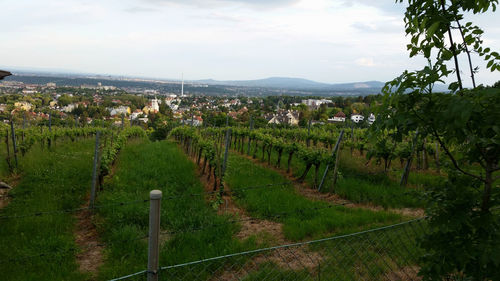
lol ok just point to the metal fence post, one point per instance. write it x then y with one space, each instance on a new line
154 235
94 170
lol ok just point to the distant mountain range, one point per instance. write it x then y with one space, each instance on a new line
296 83
274 85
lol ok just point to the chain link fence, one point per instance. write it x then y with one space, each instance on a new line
386 253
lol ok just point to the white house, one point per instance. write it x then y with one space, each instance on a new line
125 110
356 118
195 121
284 117
315 103
143 119
136 114
339 117
70 107
371 119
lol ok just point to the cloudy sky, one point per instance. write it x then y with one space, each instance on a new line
323 40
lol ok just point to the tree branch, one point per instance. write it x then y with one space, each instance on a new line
453 50
468 53
481 152
453 158
443 146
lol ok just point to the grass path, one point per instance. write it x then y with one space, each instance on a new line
355 182
299 218
194 230
191 228
302 218
313 194
43 247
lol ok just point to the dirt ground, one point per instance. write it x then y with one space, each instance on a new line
86 237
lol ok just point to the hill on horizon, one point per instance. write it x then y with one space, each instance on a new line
295 83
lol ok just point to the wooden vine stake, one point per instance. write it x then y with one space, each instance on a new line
8 149
13 135
334 152
94 171
49 139
224 164
249 135
336 169
406 172
436 155
308 132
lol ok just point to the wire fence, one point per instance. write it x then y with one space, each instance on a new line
118 204
385 253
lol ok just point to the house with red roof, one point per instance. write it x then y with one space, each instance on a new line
338 117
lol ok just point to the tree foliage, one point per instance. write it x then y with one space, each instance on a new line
465 124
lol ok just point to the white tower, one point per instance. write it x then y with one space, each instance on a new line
182 86
154 105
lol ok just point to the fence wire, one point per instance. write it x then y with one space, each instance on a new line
386 253
118 204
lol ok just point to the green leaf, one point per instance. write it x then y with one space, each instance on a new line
490 63
447 54
432 29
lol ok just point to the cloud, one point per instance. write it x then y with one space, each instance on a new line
364 26
223 17
386 6
368 62
222 3
380 26
137 9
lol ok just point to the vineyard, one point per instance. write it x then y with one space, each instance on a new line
271 179
238 204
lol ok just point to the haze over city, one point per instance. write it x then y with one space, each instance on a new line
326 41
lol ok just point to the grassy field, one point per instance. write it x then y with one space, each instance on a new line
193 229
303 217
42 247
361 184
359 257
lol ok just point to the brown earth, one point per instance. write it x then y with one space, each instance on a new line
249 226
408 273
290 258
86 237
13 181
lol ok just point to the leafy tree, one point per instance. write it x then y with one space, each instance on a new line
358 107
64 100
464 232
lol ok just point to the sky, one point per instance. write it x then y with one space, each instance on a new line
330 41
